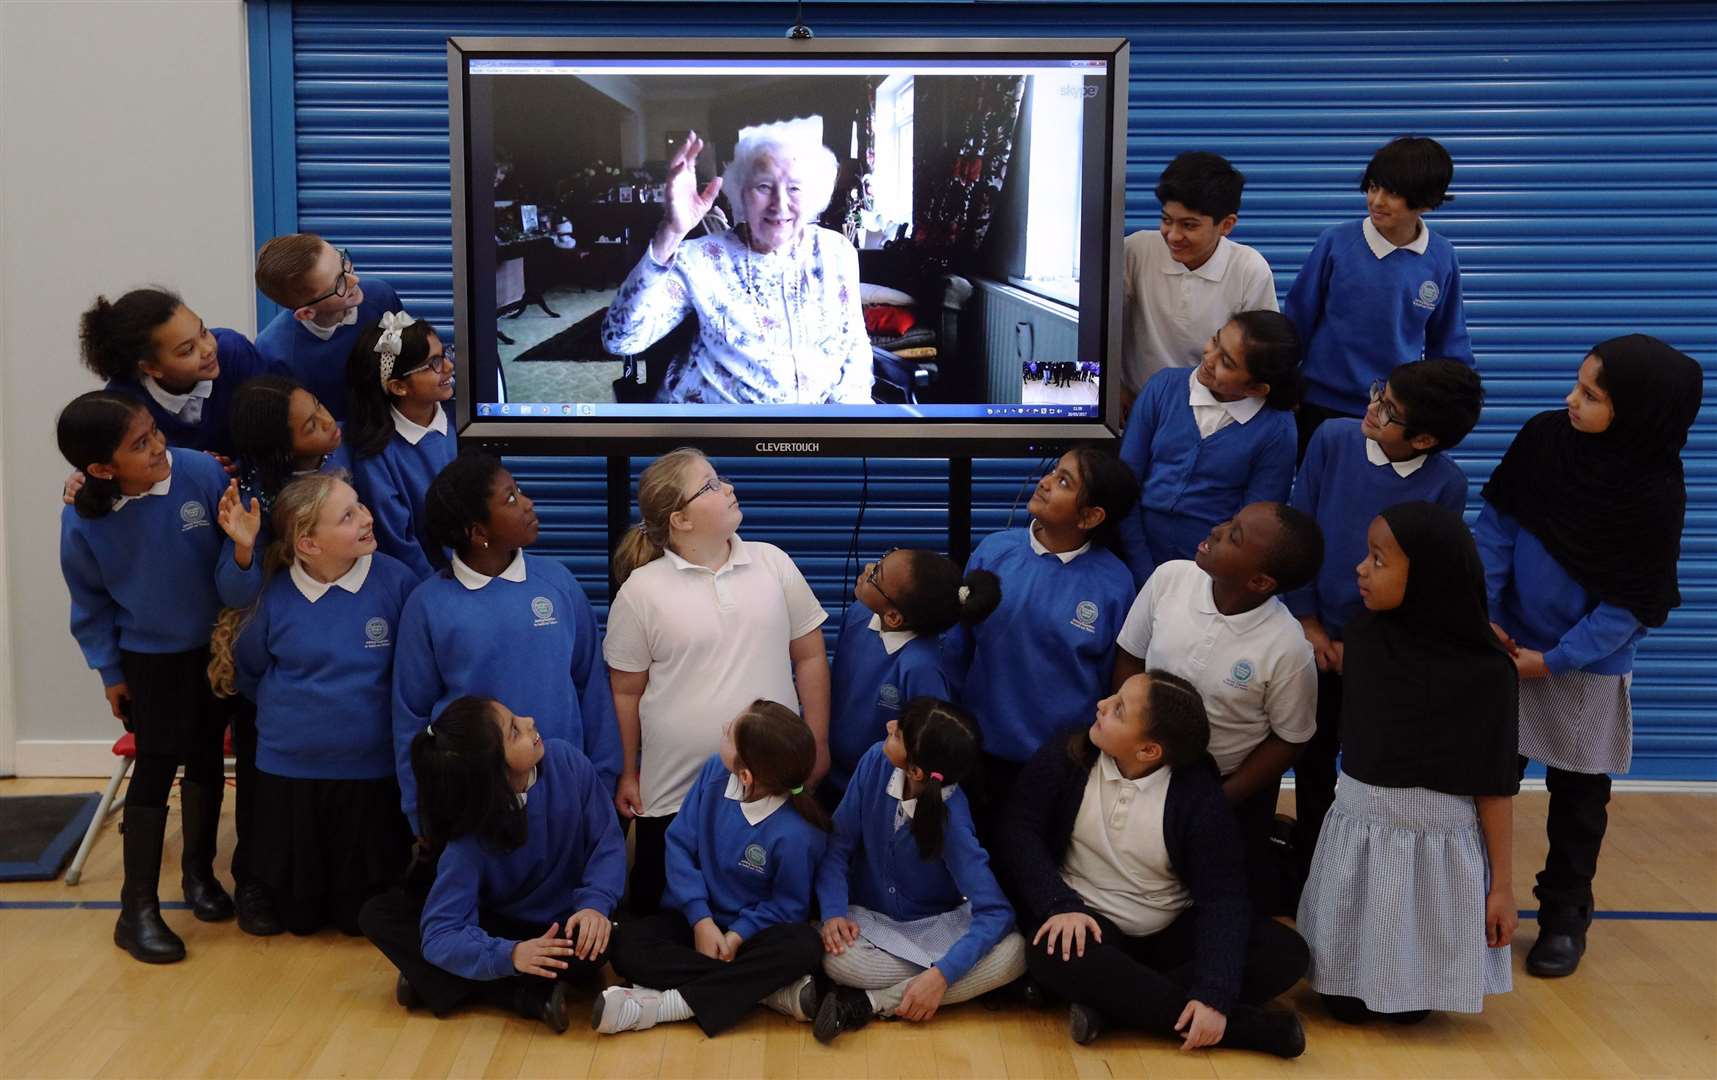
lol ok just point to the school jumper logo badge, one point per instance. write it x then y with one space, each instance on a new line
194 516
756 859
1428 294
543 608
376 633
889 696
1240 675
1085 616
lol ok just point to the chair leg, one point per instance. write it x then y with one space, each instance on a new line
102 810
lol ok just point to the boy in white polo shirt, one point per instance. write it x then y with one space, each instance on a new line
1185 280
1217 622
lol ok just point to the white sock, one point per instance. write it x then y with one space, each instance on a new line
639 1008
672 1006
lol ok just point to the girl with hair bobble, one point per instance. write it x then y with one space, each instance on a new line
1127 861
1207 440
147 568
890 648
399 379
149 346
315 653
498 621
1064 598
530 872
703 623
912 916
1581 537
741 855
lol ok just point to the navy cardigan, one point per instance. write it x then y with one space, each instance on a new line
1199 831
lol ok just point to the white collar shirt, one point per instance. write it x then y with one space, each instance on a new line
1381 246
187 406
756 810
326 333
1065 556
413 432
1212 415
313 590
1374 454
471 579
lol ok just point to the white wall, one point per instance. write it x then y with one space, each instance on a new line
124 160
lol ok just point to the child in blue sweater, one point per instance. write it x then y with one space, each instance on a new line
1353 470
1064 597
499 620
912 916
1206 441
148 345
398 379
315 654
327 309
890 648
1580 535
144 560
527 882
742 852
1376 293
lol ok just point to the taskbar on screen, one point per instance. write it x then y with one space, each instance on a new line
539 410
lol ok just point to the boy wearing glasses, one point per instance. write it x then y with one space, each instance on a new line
1381 290
1354 470
326 304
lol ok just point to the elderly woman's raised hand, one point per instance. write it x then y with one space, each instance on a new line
686 204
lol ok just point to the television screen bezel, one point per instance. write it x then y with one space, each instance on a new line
881 437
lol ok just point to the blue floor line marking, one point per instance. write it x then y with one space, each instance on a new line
180 905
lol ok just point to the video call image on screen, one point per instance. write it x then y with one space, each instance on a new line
890 236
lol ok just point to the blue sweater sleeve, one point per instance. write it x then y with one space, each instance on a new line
605 867
391 509
595 694
416 688
1604 630
1494 533
1304 304
789 899
452 938
1129 542
1273 462
992 915
846 839
251 660
1303 601
238 586
95 614
680 860
1446 330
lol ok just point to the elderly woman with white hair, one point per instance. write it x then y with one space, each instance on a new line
776 298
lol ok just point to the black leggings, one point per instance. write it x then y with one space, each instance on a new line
177 720
1142 982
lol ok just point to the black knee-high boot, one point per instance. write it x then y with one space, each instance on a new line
201 804
140 930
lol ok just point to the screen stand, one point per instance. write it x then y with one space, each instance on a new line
960 509
619 511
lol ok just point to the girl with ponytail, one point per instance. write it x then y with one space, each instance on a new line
315 653
890 903
704 623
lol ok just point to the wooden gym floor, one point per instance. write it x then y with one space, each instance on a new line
1644 1002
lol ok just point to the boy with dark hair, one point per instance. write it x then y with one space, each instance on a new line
1354 470
326 310
1185 280
1218 623
1381 291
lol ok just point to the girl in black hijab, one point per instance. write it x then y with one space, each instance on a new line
1580 535
1409 906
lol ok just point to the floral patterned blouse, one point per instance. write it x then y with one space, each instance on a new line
781 328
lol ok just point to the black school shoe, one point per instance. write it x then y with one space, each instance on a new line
256 915
1084 1024
843 1009
1556 954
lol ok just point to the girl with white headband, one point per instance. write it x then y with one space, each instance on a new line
399 378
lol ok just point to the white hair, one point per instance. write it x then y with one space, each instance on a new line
799 141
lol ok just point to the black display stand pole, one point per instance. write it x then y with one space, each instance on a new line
960 509
619 511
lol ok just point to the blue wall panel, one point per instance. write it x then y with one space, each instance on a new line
1585 142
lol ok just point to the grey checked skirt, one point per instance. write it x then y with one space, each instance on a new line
1394 907
1578 721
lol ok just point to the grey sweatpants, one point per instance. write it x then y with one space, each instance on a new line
885 976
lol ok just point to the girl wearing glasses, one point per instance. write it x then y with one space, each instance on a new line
149 346
398 380
498 622
704 623
890 648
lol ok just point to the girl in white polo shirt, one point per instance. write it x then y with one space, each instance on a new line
704 623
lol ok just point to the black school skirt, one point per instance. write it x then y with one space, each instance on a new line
321 839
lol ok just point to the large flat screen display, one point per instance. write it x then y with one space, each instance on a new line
855 245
